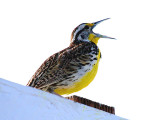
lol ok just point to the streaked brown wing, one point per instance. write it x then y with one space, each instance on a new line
61 66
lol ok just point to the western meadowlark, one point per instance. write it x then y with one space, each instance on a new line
73 68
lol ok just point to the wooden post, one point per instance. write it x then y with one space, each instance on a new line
92 104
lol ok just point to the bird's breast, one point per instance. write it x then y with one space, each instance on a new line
83 77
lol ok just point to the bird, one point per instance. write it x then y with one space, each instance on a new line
74 67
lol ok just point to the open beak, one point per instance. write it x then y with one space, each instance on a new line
97 34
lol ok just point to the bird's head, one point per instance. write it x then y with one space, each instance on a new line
84 33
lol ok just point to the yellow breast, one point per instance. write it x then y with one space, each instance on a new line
82 82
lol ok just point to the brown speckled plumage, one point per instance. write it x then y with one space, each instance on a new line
62 65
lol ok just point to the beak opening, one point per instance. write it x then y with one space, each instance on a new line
97 34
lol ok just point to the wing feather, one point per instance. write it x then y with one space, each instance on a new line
61 65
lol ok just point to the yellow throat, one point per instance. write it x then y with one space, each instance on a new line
93 38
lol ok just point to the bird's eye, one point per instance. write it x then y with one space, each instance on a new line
82 36
86 27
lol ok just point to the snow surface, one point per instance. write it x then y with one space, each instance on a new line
19 102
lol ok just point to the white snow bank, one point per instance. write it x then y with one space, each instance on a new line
19 102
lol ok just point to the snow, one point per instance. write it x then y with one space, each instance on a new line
19 102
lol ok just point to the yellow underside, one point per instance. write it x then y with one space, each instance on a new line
82 83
